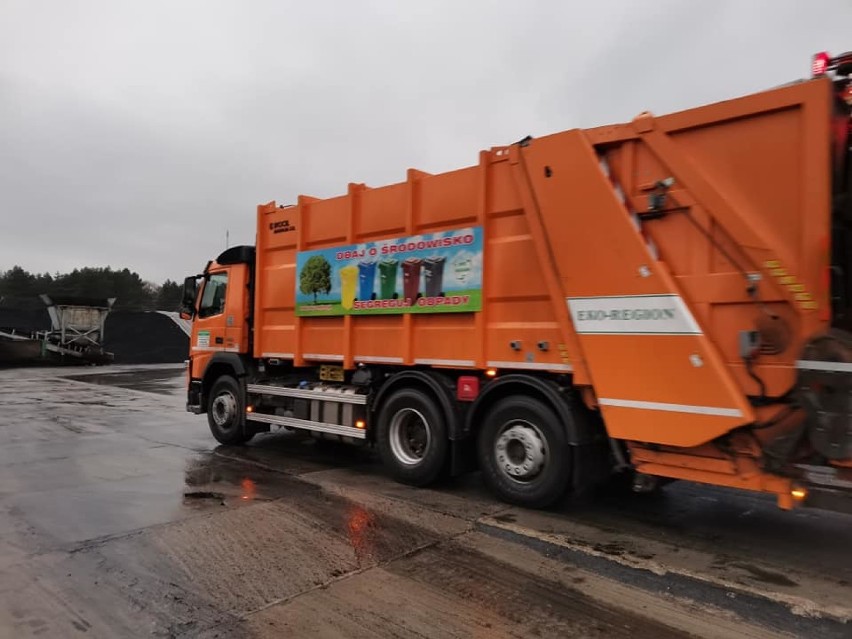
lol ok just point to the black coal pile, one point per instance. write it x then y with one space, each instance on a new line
144 338
25 320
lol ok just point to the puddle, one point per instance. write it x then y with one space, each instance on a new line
204 494
615 550
506 518
212 482
209 477
161 382
766 576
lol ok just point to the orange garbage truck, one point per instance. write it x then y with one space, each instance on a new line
665 299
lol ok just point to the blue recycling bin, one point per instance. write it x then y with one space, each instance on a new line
366 279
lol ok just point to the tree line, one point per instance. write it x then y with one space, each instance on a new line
20 289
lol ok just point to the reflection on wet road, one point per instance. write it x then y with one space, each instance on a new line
119 517
159 380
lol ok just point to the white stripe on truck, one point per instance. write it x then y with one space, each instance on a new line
671 408
445 362
833 367
323 356
532 366
378 359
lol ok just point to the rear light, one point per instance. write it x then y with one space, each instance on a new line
819 66
467 388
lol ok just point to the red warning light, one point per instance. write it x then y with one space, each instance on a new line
468 388
819 66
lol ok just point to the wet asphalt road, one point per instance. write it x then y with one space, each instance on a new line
119 517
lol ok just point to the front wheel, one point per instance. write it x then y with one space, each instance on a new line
226 412
412 437
523 452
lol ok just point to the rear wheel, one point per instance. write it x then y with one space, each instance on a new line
226 412
523 452
412 437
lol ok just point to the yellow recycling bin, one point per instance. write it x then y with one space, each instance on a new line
348 286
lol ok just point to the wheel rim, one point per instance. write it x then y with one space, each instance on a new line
224 410
410 436
521 451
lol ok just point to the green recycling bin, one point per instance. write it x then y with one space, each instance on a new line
387 276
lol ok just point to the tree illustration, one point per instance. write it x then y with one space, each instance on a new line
315 277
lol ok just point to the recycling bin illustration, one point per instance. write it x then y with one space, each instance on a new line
366 279
348 286
411 278
387 278
433 273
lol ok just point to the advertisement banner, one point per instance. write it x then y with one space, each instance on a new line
432 273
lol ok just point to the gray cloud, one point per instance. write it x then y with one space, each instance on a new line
135 134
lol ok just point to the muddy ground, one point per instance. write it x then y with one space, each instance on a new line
120 517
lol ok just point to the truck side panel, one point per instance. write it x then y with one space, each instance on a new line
517 306
275 277
649 313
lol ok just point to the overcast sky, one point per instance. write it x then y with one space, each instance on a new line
135 133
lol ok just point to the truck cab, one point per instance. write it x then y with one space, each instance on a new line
219 303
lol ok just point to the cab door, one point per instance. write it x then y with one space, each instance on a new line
237 309
209 327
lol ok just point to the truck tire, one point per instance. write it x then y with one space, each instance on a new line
226 412
523 452
412 437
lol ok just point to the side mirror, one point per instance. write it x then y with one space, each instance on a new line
187 304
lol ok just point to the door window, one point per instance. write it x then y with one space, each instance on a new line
213 298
